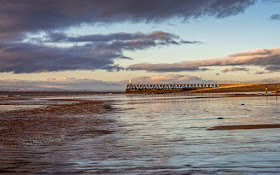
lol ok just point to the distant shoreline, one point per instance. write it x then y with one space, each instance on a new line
226 88
222 88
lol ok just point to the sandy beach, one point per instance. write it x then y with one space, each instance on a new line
236 127
207 133
51 123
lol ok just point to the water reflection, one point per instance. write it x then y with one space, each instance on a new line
150 134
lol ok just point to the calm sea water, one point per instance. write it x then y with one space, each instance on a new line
160 134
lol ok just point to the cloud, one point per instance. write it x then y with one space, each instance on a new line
168 78
270 80
275 17
99 51
61 84
28 58
234 69
163 37
32 15
268 58
260 72
74 84
138 40
20 20
273 68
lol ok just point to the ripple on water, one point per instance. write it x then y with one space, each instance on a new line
156 134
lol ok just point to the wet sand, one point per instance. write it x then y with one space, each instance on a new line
153 134
236 127
52 123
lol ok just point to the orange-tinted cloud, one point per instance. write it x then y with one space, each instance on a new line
268 58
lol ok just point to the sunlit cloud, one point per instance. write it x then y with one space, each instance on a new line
267 58
75 84
169 78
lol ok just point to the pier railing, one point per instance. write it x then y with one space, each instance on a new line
141 87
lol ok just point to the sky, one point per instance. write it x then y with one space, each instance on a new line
98 45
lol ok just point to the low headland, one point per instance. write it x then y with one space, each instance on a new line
221 88
227 88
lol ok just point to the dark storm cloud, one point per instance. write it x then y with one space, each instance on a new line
128 40
275 17
122 36
28 57
268 58
34 15
22 18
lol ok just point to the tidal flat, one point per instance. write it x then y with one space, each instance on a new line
99 133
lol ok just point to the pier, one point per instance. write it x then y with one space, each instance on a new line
165 88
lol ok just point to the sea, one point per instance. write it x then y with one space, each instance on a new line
143 134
